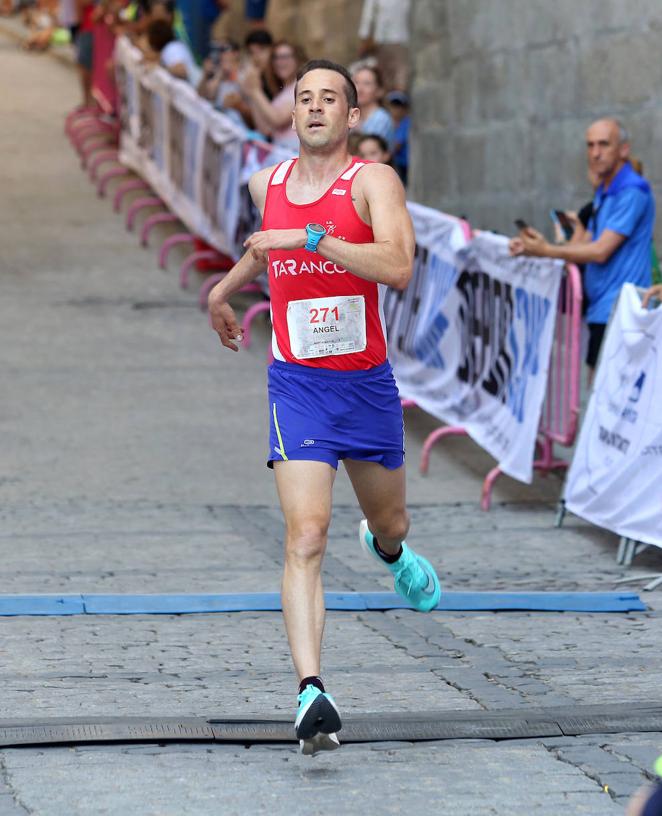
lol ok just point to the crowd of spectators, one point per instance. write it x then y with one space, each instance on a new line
251 82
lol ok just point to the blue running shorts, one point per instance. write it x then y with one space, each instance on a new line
323 415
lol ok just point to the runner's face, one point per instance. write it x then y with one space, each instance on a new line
321 113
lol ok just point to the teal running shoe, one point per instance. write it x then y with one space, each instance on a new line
317 721
414 577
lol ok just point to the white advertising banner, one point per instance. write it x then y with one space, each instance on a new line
615 480
188 152
470 338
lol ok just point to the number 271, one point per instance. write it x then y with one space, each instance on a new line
324 311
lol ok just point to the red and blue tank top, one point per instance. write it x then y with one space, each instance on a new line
301 276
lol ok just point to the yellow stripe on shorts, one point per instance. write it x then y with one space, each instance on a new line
280 438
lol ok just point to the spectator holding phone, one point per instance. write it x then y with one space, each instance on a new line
220 82
617 244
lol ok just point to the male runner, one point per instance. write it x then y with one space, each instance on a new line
335 232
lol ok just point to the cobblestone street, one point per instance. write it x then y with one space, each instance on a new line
133 451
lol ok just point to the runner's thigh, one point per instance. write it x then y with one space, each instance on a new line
378 489
305 489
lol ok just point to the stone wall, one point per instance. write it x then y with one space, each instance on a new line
324 28
503 91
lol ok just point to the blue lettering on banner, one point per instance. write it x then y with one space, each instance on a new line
441 277
531 311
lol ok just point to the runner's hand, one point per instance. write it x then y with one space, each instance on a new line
259 243
224 321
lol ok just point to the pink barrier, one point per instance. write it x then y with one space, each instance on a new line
127 187
98 130
170 242
251 314
114 172
76 117
138 205
201 255
93 146
100 158
212 280
560 412
151 221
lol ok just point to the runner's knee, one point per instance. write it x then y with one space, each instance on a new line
392 524
306 540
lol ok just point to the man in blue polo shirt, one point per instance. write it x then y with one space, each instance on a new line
616 246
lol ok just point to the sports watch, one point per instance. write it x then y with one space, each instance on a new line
315 234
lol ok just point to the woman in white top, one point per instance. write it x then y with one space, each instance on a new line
273 117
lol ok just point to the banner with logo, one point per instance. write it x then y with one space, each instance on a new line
615 480
470 338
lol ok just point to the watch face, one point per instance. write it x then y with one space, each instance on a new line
316 228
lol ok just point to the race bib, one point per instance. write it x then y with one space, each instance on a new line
323 327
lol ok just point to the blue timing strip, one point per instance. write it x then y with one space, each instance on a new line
349 601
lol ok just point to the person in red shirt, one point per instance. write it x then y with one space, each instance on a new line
335 233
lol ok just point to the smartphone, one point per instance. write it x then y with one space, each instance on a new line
566 224
215 49
521 224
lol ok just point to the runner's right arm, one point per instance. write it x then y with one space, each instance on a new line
249 267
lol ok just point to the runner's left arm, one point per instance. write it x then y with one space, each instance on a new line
253 263
389 259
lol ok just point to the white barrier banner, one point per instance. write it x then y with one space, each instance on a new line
188 152
470 338
615 480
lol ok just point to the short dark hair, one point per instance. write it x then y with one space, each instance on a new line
259 37
327 65
159 34
381 141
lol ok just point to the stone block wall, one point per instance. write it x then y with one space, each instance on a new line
503 91
324 28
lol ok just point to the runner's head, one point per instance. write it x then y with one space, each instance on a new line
325 105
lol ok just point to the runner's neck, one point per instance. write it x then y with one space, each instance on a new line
320 171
